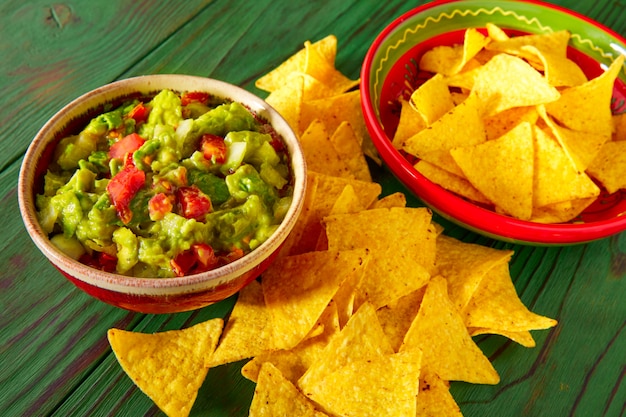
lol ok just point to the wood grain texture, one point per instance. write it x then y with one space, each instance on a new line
54 357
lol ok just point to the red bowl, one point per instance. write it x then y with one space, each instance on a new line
390 64
154 295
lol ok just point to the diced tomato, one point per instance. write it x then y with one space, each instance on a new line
183 263
139 113
205 255
193 203
159 206
194 97
233 255
213 148
100 260
123 187
128 144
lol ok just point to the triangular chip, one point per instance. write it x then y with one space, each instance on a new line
274 395
609 166
496 305
319 67
450 60
556 177
247 332
287 100
451 182
365 387
361 338
409 123
502 170
396 317
464 265
298 288
432 99
587 107
319 152
169 367
506 81
396 199
524 337
347 146
434 398
448 349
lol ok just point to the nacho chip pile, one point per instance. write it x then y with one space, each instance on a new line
368 307
513 124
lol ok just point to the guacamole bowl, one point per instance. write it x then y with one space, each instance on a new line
394 68
186 289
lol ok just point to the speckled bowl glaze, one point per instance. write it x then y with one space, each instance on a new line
158 295
390 65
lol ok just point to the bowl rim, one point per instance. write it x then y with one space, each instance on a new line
157 286
453 207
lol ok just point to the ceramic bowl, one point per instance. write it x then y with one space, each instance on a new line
158 295
390 67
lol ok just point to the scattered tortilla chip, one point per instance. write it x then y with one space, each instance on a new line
396 317
496 305
367 386
464 265
321 68
274 395
319 152
247 332
169 367
524 337
287 100
396 199
434 398
502 169
348 147
449 351
295 305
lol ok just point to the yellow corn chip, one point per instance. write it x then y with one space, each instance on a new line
451 182
609 166
410 123
434 398
295 305
396 317
524 337
276 396
432 99
287 100
448 349
348 147
169 367
500 123
319 152
396 199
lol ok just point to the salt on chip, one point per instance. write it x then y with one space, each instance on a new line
449 351
556 177
298 288
274 395
502 169
587 107
507 81
365 387
361 338
496 305
464 265
432 99
169 367
395 270
319 152
434 398
247 332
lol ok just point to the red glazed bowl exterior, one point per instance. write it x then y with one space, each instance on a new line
155 295
390 64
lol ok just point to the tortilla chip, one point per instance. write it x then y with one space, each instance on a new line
361 338
434 398
451 182
396 317
619 126
319 67
347 146
169 367
507 81
274 395
502 170
609 166
370 385
559 70
587 107
295 305
556 178
449 351
287 100
524 337
462 126
319 152
432 99
501 123
296 63
395 270
410 123
450 60
464 265
496 33
396 199
247 332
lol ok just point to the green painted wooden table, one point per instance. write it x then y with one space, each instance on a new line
54 356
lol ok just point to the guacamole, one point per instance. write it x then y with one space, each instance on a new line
167 186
